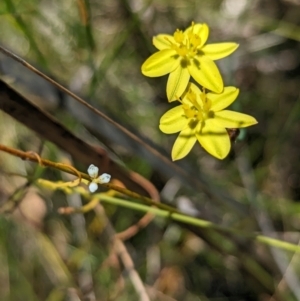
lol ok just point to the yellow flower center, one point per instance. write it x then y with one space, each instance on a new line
186 43
197 110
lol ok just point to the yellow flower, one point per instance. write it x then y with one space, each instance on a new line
202 117
185 54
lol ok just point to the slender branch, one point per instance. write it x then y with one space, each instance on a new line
71 170
181 217
31 156
122 253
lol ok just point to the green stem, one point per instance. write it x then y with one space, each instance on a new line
176 216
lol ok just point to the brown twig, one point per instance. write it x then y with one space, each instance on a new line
71 170
120 249
31 156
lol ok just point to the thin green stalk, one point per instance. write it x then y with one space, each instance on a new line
179 217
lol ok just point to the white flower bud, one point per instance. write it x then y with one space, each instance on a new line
93 187
93 171
104 178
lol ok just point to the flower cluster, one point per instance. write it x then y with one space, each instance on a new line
201 115
93 173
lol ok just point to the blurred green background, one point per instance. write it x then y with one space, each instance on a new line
96 49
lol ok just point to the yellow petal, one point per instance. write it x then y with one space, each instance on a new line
231 119
177 82
184 143
224 99
195 89
219 50
173 121
161 63
206 73
163 41
202 30
214 140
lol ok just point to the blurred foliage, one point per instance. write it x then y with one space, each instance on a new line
96 48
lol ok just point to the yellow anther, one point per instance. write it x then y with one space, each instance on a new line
182 50
178 36
190 112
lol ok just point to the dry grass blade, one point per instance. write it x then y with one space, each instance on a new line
51 129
